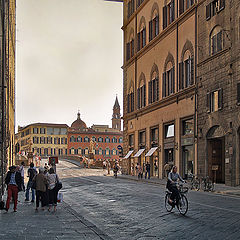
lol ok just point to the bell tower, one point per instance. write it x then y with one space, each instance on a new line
116 117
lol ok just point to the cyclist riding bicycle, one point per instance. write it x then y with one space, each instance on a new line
173 177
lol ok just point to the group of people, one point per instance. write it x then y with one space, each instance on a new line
139 170
44 184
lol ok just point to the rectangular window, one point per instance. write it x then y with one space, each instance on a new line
169 131
187 127
131 140
49 131
141 39
131 8
154 136
42 130
214 8
35 130
130 102
141 96
215 100
142 138
153 90
168 86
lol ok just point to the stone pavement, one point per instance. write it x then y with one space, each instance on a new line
64 224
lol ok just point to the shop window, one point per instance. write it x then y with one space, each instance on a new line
187 127
169 131
168 14
188 158
215 100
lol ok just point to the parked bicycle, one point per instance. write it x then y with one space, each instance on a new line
207 184
194 181
182 203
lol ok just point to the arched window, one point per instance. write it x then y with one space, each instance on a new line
107 140
130 45
94 139
86 139
86 151
72 151
120 140
141 34
168 83
114 140
141 92
184 5
107 150
153 85
216 40
71 139
130 99
114 152
100 151
168 13
79 151
154 22
79 139
186 66
100 139
76 151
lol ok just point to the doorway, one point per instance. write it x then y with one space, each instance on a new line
216 163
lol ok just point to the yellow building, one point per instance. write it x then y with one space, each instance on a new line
43 139
159 84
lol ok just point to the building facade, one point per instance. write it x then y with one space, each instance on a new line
7 85
43 139
219 90
159 76
100 140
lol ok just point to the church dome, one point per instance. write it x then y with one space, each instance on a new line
78 124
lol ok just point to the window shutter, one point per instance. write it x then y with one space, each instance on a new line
208 11
150 30
208 103
144 37
214 44
222 4
220 98
132 48
138 41
173 79
144 95
132 103
164 85
150 92
128 104
157 84
154 28
181 6
219 41
138 98
181 76
192 71
128 51
157 25
238 92
173 10
164 17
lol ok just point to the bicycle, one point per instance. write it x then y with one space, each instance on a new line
182 203
195 182
207 184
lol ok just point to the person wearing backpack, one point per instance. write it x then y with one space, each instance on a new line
31 174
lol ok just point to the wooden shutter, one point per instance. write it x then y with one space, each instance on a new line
157 25
164 85
128 51
208 103
238 92
154 28
132 102
220 99
173 79
150 30
138 41
214 44
192 71
138 98
132 48
129 9
128 104
181 76
173 10
164 17
208 11
222 4
150 92
181 6
219 41
144 95
144 36
157 86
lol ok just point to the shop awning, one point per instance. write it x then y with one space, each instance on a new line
151 151
140 151
128 154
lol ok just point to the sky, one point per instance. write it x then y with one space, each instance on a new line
69 58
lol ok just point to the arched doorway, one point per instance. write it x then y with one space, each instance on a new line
216 153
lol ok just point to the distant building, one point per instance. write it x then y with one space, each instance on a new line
43 139
106 140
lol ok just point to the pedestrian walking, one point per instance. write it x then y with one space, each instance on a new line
21 170
41 182
115 169
108 167
14 184
148 167
31 174
52 187
139 171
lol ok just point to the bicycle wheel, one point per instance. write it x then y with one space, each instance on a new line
167 205
182 205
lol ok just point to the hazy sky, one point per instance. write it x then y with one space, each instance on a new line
69 57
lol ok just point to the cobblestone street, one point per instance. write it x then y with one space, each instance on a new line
101 207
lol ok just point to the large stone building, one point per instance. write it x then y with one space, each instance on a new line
159 84
103 140
42 139
219 90
7 85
